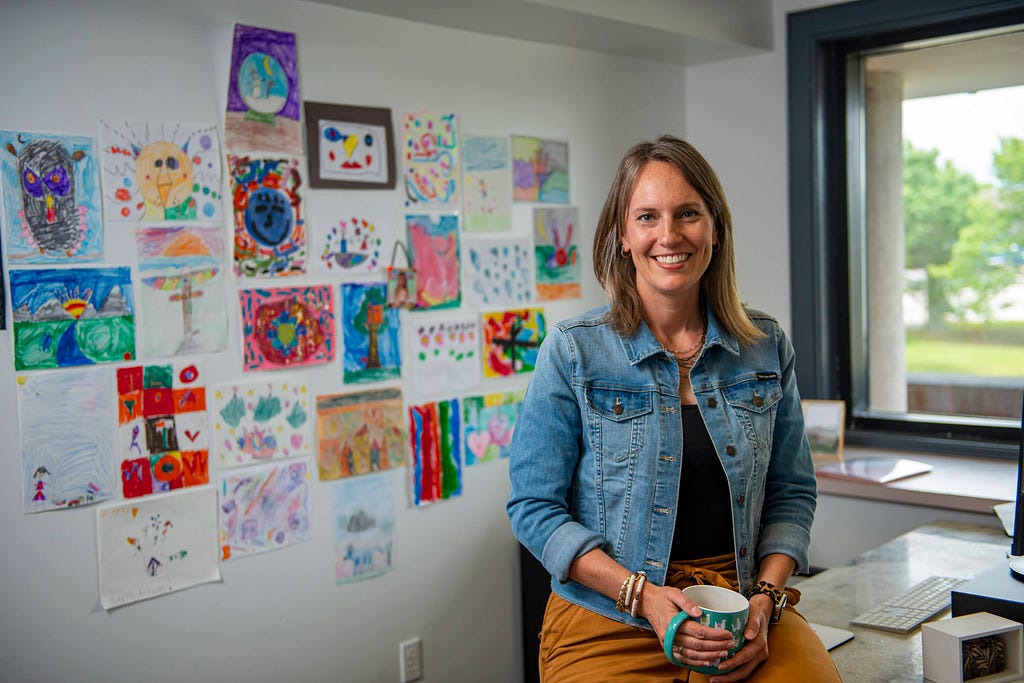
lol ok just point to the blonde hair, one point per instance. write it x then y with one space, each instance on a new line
617 274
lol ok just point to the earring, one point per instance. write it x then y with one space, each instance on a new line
623 252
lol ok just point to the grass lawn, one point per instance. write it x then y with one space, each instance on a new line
986 360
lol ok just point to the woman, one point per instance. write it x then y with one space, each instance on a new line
661 444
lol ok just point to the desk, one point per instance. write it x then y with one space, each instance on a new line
839 594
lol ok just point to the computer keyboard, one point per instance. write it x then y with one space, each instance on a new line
905 612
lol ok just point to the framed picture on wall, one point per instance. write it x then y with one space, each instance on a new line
825 422
350 147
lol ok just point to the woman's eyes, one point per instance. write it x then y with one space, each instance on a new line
685 214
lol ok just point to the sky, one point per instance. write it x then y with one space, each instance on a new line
966 127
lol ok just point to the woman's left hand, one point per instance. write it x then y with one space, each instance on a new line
755 649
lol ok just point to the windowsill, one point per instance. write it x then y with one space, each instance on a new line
963 484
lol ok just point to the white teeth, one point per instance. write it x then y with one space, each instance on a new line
677 258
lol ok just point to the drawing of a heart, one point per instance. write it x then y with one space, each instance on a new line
478 443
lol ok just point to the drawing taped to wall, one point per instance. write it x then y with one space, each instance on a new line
435 436
349 147
287 326
182 293
155 171
371 333
359 433
161 418
487 185
51 195
445 354
488 424
351 244
260 419
66 425
499 272
263 507
364 527
511 340
72 316
540 170
269 216
430 153
155 546
263 93
556 233
433 240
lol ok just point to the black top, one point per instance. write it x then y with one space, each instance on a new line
704 518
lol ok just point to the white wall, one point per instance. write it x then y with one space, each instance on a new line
279 616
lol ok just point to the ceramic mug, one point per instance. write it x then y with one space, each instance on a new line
720 608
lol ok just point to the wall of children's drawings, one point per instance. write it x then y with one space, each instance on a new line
275 280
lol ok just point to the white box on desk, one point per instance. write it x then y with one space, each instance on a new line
942 651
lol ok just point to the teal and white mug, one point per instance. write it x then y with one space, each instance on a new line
720 608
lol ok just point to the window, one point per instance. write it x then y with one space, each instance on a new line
902 253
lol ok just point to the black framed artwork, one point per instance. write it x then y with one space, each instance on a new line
349 147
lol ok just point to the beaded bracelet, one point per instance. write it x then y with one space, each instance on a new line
629 592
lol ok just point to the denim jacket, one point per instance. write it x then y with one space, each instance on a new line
596 454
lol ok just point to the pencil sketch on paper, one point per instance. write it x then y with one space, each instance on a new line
435 437
161 418
487 185
287 326
499 272
155 171
511 340
72 316
434 242
260 419
540 170
349 147
351 244
488 424
263 93
51 196
371 333
556 233
263 507
66 424
155 546
359 433
269 217
182 297
445 354
431 160
364 527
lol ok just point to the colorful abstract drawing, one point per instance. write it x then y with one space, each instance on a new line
263 507
445 354
287 326
66 424
155 171
540 170
511 340
352 244
434 242
182 297
364 527
161 424
155 546
488 423
359 433
260 419
556 231
436 439
349 147
487 185
431 160
270 224
371 333
263 93
499 272
73 316
51 197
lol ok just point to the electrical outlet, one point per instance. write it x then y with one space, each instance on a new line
410 658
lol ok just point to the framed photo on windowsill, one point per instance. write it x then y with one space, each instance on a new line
825 422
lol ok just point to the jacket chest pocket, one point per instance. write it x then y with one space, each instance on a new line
753 402
617 419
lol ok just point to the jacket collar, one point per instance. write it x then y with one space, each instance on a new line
642 344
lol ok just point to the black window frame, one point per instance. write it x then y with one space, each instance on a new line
820 43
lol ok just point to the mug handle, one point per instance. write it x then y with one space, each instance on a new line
670 636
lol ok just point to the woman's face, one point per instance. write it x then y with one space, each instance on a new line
669 235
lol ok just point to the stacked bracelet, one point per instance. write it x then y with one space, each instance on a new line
629 593
640 583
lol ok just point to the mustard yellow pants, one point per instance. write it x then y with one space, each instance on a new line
579 646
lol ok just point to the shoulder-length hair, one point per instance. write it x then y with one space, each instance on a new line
615 270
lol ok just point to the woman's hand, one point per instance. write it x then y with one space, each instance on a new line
755 649
694 644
